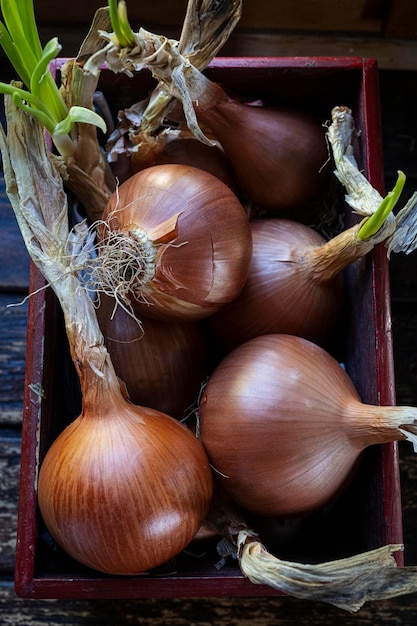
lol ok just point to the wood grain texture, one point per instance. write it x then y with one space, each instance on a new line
10 443
14 260
12 357
197 612
400 19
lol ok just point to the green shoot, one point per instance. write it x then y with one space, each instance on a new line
374 223
42 98
120 23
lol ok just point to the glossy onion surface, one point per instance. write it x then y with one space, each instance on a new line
126 490
285 292
278 155
281 422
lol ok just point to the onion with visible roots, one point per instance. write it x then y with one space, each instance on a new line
176 241
123 488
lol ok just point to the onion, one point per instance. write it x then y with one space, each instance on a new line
278 154
163 364
123 489
294 425
177 241
295 284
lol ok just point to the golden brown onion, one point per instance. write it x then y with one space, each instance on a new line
123 488
278 155
178 239
294 425
163 364
295 283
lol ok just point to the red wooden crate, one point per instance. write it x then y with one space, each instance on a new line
368 514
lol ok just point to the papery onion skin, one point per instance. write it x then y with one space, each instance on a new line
278 155
125 490
201 235
285 292
163 364
294 425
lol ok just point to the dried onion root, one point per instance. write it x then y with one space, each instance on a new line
120 265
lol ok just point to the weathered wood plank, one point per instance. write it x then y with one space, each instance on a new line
10 443
404 324
391 54
324 15
197 612
13 322
408 473
400 19
14 259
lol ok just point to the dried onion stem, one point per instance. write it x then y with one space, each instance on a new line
176 67
399 232
346 583
44 227
207 26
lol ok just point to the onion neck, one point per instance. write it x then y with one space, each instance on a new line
209 97
101 389
333 256
99 383
370 424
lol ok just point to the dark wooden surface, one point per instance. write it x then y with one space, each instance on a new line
398 95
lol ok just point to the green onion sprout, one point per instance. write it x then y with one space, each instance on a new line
120 24
42 98
374 223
